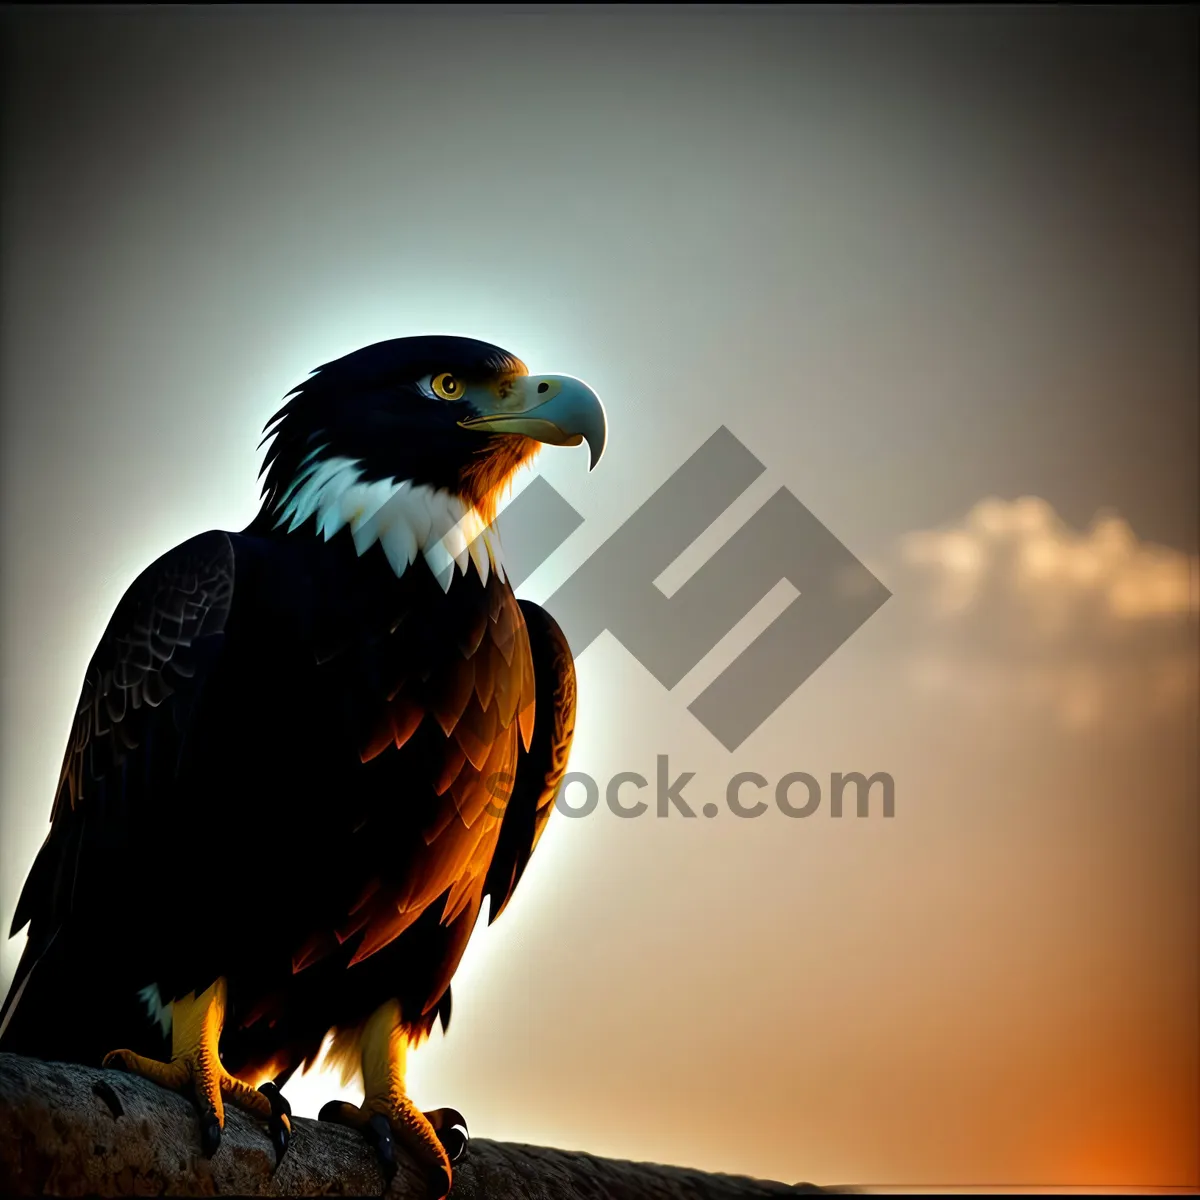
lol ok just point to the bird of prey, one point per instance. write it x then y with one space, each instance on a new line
305 753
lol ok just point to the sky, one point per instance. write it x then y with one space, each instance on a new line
937 270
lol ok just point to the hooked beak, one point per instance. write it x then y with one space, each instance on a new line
557 409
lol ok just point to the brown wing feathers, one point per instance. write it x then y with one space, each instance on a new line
482 700
144 656
543 767
461 743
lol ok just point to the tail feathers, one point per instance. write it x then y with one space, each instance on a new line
64 1007
30 957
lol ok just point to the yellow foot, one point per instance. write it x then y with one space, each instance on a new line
384 1125
196 1067
387 1116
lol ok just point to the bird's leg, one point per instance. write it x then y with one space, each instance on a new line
387 1115
196 1023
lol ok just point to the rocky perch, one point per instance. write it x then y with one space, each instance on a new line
68 1130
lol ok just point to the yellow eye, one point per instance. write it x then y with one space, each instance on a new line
446 386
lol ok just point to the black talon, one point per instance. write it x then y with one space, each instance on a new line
280 1125
451 1128
210 1133
379 1133
338 1112
455 1143
104 1090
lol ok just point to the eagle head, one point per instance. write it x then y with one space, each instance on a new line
450 414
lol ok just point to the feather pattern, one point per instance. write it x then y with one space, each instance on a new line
406 519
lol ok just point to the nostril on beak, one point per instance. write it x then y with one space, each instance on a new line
543 387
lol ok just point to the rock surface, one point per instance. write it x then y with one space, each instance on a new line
60 1134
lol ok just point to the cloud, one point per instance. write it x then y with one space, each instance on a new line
1012 605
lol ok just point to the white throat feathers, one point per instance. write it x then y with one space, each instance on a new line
406 519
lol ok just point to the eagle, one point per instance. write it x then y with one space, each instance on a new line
305 754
